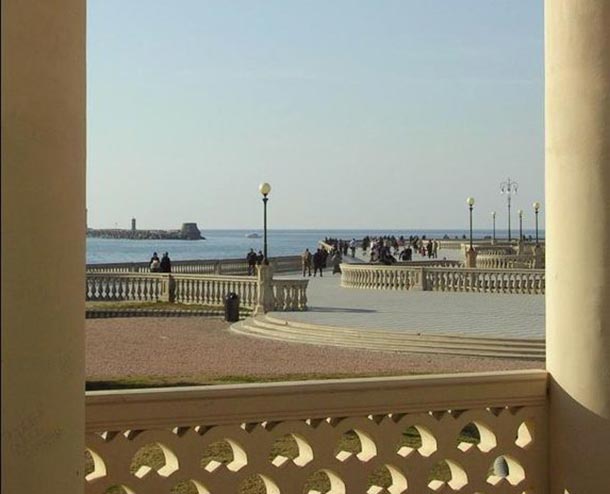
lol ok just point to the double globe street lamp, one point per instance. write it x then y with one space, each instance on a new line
264 189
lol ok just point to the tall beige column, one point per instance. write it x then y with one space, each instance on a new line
578 243
43 245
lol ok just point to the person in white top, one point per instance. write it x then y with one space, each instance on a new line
352 246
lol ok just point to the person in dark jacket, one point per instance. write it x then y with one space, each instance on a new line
251 259
260 257
165 265
318 259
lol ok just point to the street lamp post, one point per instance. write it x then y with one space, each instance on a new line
536 206
264 189
520 225
471 255
470 202
509 188
493 217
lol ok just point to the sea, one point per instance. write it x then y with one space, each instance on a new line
233 244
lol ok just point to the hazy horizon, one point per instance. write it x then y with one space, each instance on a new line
384 113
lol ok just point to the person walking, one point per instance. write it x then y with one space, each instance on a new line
352 246
335 262
165 266
317 263
306 261
260 257
429 248
251 260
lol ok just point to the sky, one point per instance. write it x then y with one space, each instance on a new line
360 114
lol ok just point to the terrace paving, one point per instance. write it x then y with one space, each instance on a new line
433 313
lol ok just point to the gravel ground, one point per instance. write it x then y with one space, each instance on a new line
201 349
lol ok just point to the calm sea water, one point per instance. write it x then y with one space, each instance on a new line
227 244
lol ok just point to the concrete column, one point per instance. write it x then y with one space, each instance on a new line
43 245
264 303
577 70
471 257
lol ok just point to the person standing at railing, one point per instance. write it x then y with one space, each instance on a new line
306 261
166 264
251 260
154 263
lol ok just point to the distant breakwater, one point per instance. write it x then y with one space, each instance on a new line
141 234
189 231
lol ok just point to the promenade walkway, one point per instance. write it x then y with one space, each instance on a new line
433 313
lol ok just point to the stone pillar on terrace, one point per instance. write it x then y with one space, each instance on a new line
471 257
264 301
43 246
577 67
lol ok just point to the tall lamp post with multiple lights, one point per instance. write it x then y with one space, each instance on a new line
509 188
493 217
264 189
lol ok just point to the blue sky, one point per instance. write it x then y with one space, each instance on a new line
361 114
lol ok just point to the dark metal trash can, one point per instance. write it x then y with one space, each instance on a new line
232 307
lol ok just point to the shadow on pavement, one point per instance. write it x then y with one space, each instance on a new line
340 309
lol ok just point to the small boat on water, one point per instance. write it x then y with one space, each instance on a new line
253 235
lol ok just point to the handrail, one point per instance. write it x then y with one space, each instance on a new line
169 407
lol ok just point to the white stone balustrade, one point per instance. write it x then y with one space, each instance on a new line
446 279
210 290
515 281
290 295
283 264
505 261
404 434
112 287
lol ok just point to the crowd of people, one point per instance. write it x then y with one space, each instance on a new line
383 250
342 246
163 265
391 249
320 260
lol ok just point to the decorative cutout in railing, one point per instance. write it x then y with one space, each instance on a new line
471 433
451 279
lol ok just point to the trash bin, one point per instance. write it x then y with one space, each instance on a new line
232 307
